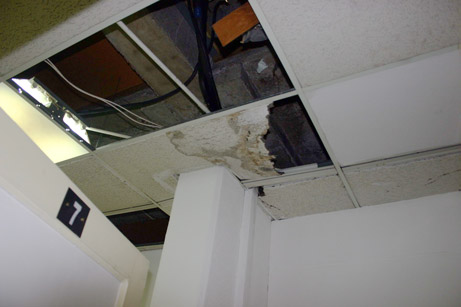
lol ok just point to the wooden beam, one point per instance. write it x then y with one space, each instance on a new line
235 24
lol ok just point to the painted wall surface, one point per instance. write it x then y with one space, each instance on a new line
154 261
229 234
206 218
37 183
406 253
41 268
411 107
258 270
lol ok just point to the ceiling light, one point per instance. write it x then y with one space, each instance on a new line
47 134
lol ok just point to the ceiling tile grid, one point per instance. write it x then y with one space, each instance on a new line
400 181
327 40
318 195
153 162
104 189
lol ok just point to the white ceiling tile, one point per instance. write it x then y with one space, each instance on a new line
400 181
411 107
317 195
166 206
104 189
326 40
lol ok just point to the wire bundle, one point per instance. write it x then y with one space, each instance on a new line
119 108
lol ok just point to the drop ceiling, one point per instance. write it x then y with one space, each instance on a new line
379 80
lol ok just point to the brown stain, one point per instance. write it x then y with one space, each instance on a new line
247 149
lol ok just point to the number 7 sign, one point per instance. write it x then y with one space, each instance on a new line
73 212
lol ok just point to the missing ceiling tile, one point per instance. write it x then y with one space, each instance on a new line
291 138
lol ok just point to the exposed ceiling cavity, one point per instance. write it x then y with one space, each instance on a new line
334 57
291 138
111 65
144 227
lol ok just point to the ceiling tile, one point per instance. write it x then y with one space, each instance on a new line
400 181
408 108
152 162
317 195
166 206
104 189
326 40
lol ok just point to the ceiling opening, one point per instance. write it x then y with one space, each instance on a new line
222 66
111 66
291 137
145 227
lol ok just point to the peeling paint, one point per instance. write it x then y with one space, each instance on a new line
234 141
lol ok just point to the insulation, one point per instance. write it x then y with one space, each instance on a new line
313 196
399 181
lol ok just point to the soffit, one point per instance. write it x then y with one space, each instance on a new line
327 40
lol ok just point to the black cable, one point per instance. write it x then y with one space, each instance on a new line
213 21
142 104
207 85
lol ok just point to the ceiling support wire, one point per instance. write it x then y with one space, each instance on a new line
162 66
297 85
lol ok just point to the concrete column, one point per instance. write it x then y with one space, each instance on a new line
209 243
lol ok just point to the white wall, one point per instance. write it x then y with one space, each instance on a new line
406 253
200 254
258 270
154 261
39 267
216 250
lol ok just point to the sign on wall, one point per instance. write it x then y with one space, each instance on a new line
73 213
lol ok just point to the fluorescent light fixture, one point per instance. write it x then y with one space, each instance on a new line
52 139
36 91
76 125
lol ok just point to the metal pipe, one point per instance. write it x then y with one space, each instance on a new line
162 66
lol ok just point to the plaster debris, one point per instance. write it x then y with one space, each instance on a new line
234 141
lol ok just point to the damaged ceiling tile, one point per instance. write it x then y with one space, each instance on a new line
400 181
234 141
105 190
318 195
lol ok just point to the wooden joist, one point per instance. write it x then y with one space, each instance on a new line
235 24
